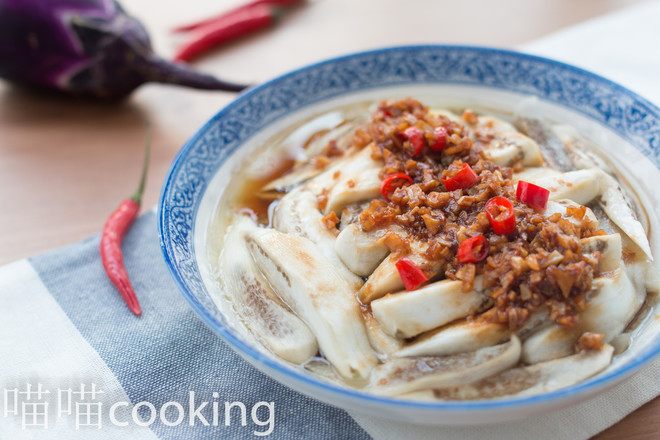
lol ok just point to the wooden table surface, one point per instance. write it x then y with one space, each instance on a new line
65 164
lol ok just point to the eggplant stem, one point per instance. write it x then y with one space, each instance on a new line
171 73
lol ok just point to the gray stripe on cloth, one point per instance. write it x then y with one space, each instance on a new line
168 351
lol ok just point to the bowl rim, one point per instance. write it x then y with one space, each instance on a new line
586 388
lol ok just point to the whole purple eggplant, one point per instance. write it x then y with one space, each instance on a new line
90 48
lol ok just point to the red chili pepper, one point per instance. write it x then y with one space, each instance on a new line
440 139
534 195
411 275
472 250
224 15
113 232
501 216
387 186
416 138
232 26
464 178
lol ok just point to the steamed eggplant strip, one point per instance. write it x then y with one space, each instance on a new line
468 335
579 150
305 169
612 304
400 376
619 211
307 282
407 314
581 186
352 188
297 213
384 344
551 145
386 279
610 249
383 280
551 342
459 337
511 147
259 307
360 251
444 113
508 145
584 185
276 188
561 207
342 135
534 379
532 173
612 199
349 165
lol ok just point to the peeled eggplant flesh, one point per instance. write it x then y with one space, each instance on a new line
612 200
581 186
579 149
360 251
561 206
384 344
386 279
610 249
532 173
408 314
353 188
611 305
345 166
383 280
459 337
551 145
508 145
258 306
533 379
304 168
552 342
297 214
399 376
509 148
614 303
468 335
306 281
619 211
274 189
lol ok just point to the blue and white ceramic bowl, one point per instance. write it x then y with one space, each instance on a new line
625 125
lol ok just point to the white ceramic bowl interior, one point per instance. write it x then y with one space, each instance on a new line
625 126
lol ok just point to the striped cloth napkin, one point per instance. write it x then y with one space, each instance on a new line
75 364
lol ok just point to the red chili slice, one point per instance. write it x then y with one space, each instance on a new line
500 215
416 139
464 178
388 185
534 195
472 250
411 275
440 139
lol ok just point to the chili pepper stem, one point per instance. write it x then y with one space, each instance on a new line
137 195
